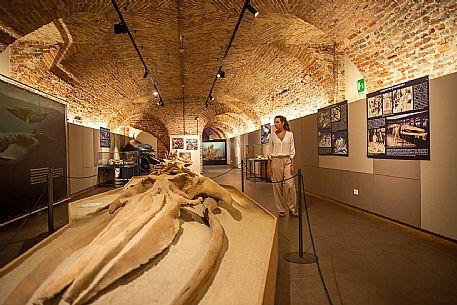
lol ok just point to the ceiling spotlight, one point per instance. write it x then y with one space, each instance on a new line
211 98
120 28
161 103
196 118
251 9
146 73
206 105
220 74
155 93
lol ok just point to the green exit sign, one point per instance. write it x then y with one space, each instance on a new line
360 85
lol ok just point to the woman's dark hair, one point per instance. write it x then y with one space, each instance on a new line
284 120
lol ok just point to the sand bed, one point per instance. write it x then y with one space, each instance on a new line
245 269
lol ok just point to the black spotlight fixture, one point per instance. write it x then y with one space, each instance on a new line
160 103
120 28
146 73
251 9
206 105
220 74
211 98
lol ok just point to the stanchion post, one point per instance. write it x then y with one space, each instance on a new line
50 203
300 257
300 215
242 175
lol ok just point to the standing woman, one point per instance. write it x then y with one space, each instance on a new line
281 166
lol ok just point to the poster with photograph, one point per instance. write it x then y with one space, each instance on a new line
332 130
265 133
187 147
214 152
105 137
33 139
177 143
402 129
192 144
185 155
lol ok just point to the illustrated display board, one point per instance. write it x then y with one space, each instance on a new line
332 130
265 133
32 139
398 121
214 152
187 148
105 138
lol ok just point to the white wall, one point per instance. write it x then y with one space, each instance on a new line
352 75
195 154
147 138
81 158
5 62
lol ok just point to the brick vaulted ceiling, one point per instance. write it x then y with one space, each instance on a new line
288 60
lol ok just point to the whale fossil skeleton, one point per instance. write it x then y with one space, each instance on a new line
144 221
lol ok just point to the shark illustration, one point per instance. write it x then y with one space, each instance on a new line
15 146
28 115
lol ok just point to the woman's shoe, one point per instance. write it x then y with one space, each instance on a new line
293 214
282 214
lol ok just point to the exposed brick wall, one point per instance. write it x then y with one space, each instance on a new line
153 126
213 133
288 61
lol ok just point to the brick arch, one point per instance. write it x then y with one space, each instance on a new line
385 43
14 27
152 125
215 132
224 127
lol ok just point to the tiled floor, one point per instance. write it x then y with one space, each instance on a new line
365 260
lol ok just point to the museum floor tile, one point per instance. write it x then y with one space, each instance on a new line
364 259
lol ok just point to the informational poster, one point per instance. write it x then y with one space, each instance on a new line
187 148
265 133
105 138
398 121
32 141
332 130
214 152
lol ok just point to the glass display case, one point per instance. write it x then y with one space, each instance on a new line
118 159
118 167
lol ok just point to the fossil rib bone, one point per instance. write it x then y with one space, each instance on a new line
144 223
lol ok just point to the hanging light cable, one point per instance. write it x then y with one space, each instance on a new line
220 72
122 28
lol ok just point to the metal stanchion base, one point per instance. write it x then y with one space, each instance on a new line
294 257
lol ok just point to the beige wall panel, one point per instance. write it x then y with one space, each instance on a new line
397 168
357 128
324 181
75 157
309 141
363 183
88 147
296 128
397 198
439 175
5 62
254 137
